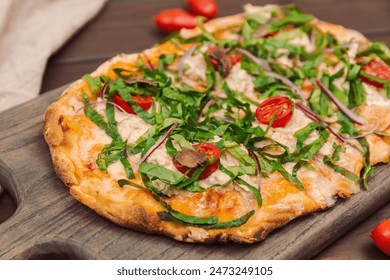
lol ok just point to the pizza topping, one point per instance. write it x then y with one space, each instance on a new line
340 105
318 119
259 61
204 151
277 110
143 101
220 61
190 158
375 72
183 60
159 142
258 167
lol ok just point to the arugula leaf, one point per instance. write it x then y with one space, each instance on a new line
165 59
95 84
207 223
234 177
295 17
368 168
346 173
163 174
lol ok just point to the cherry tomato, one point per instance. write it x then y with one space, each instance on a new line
280 106
206 8
381 236
376 68
175 19
144 101
213 153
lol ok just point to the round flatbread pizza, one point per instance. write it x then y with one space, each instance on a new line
227 131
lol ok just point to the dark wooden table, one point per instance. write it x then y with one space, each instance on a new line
127 27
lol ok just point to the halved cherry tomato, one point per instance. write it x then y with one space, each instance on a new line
376 68
213 153
175 19
280 106
206 8
381 236
144 101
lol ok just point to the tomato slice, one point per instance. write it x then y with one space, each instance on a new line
213 153
280 106
376 68
144 101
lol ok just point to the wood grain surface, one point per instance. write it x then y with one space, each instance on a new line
48 223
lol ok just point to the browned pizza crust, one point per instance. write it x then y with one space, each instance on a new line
133 208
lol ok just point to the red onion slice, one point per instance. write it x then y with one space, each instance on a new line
101 102
288 83
104 89
259 61
267 71
148 61
158 143
258 167
317 118
352 116
208 104
371 131
183 59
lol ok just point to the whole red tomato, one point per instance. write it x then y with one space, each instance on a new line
174 19
381 236
206 8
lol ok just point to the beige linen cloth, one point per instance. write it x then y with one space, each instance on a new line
30 31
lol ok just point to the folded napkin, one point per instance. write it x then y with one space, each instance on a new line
30 31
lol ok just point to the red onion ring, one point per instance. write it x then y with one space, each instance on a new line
317 118
158 143
183 59
352 116
104 89
287 82
267 71
371 131
259 61
258 167
148 61
209 103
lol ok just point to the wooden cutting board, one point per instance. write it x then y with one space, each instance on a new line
49 223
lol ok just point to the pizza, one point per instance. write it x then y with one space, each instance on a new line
227 131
